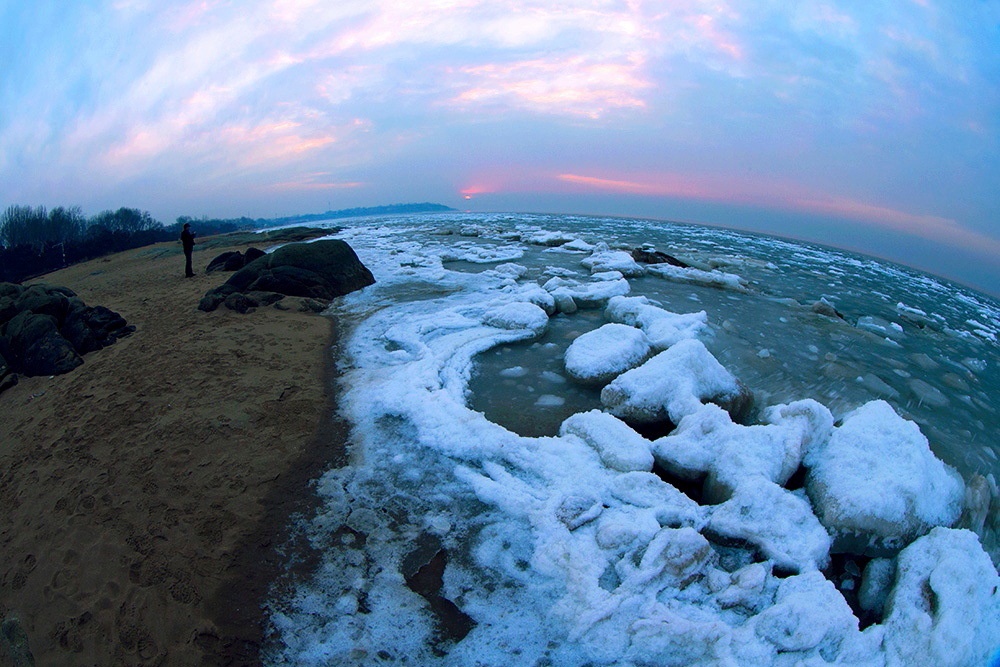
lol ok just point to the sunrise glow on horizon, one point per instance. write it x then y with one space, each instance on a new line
873 127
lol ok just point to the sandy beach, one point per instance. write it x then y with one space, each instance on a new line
144 493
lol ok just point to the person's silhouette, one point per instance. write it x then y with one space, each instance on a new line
187 240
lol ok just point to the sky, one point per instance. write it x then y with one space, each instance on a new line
868 125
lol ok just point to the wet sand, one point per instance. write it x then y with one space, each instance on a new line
143 495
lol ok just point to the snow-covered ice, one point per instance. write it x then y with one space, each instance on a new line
600 545
602 354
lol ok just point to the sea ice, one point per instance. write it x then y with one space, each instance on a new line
517 315
566 550
662 327
698 277
670 385
618 445
586 295
877 476
613 260
780 523
604 353
945 606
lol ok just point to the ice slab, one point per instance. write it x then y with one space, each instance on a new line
662 327
671 385
600 355
877 476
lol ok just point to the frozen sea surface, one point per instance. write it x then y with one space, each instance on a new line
781 454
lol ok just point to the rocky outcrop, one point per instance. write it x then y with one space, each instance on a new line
45 330
648 256
827 309
320 270
234 260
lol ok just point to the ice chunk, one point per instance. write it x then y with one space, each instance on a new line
517 315
690 450
550 401
613 260
511 270
595 294
546 238
670 385
578 245
699 277
945 606
578 509
780 523
876 582
672 558
743 588
619 528
669 638
662 327
877 475
644 489
810 618
604 353
514 372
927 393
618 445
540 298
881 327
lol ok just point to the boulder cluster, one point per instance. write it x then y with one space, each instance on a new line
234 260
45 330
317 272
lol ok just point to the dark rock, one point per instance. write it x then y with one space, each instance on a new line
311 306
824 307
32 344
7 381
107 325
45 328
644 256
739 405
76 330
241 303
252 254
265 298
8 309
227 261
321 270
10 290
211 301
42 300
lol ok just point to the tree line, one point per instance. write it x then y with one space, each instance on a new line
34 241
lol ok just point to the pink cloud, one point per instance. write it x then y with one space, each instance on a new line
717 37
574 85
789 197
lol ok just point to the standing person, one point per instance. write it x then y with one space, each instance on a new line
187 240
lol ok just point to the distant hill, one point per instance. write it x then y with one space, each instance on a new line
206 226
425 207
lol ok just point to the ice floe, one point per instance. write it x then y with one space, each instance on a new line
604 353
671 385
877 479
